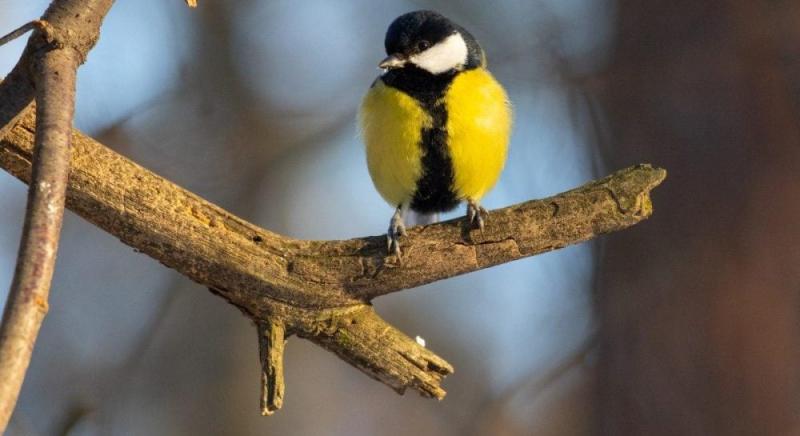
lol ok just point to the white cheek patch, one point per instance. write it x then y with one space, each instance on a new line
446 55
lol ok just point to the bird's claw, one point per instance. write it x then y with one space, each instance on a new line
396 229
476 214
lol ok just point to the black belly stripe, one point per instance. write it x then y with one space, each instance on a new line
435 188
434 191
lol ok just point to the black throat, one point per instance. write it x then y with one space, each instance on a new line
435 191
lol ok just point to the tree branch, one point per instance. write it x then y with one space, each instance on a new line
27 299
53 59
321 290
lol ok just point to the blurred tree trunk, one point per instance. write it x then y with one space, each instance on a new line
700 308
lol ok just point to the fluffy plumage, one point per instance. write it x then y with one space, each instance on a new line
436 124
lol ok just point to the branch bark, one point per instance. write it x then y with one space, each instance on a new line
321 290
53 59
27 299
271 338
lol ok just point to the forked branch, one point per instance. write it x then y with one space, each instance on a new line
321 290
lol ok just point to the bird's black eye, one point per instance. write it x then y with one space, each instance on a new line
423 45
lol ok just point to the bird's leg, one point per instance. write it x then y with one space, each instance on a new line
475 214
396 229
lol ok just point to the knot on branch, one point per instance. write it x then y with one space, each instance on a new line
73 24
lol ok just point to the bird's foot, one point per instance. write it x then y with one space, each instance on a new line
476 214
396 229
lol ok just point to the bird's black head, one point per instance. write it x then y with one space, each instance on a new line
429 41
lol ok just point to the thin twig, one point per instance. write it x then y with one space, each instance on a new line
53 71
17 90
27 299
35 24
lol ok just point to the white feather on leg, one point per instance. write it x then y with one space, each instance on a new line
421 219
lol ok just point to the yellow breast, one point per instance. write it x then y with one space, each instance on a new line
478 129
391 123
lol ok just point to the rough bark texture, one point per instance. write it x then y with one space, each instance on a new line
270 346
321 290
700 321
53 58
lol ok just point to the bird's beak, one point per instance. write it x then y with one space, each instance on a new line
392 61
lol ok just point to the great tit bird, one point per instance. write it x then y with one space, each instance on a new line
435 123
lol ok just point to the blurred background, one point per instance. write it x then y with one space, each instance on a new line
688 324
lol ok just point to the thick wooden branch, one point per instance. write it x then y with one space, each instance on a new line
321 290
53 58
